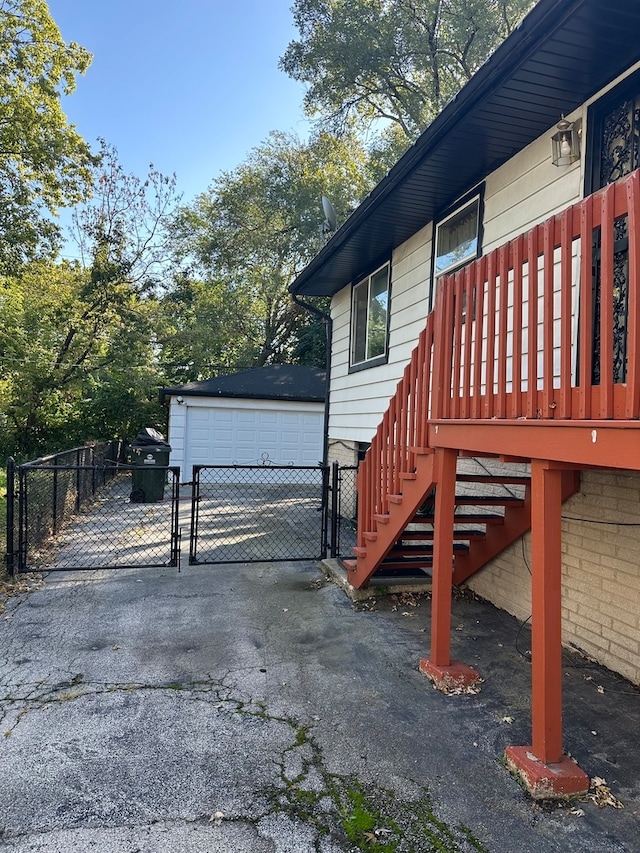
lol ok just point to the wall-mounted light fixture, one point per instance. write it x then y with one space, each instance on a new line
565 143
179 400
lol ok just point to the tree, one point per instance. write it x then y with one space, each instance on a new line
78 342
207 329
121 232
74 365
44 163
391 63
256 228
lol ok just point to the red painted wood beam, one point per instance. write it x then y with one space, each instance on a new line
546 771
445 464
546 618
594 444
439 667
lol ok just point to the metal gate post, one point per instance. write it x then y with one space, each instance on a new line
22 518
175 518
78 483
195 501
335 485
54 502
11 465
325 512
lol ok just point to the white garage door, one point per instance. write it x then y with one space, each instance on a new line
253 433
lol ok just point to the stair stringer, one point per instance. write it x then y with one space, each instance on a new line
401 511
517 522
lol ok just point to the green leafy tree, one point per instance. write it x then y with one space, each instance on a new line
44 163
79 342
121 232
393 63
255 229
207 329
74 364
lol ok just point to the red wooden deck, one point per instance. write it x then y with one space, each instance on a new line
504 367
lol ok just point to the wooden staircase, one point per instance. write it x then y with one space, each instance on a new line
397 485
411 555
485 524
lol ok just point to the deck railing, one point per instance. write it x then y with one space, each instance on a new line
546 326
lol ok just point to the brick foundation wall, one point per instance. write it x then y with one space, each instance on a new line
600 572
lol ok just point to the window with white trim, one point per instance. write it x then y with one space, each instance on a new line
369 319
458 238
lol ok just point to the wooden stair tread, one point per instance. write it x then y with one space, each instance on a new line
463 517
488 500
457 534
497 479
426 548
390 570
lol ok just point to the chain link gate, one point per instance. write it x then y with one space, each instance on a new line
77 510
258 513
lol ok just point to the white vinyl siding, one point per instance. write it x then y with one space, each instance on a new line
523 192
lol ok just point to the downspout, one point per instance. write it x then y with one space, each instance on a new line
329 331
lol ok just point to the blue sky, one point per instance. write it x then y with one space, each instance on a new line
190 86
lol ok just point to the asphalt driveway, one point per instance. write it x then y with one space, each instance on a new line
253 708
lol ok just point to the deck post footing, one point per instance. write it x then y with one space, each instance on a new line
558 780
453 676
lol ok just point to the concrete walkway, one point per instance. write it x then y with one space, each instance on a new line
251 708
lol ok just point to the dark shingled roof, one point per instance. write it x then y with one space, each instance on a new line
275 382
562 53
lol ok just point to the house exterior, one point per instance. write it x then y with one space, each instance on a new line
449 354
271 415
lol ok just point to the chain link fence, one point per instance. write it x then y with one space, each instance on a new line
73 510
258 513
343 510
77 509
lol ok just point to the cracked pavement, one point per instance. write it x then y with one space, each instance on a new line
247 708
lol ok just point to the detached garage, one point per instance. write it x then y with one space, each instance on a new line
271 415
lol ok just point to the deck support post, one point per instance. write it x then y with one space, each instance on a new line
439 667
545 770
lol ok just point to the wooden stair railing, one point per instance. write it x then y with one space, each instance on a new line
397 472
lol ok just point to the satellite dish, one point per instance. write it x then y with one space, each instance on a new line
331 222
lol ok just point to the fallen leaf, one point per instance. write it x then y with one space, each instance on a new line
600 794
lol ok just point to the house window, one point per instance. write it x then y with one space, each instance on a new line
370 308
458 237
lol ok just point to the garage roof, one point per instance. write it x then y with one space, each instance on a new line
562 53
274 382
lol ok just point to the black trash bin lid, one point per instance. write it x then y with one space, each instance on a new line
147 437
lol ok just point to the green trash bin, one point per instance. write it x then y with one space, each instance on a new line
149 462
